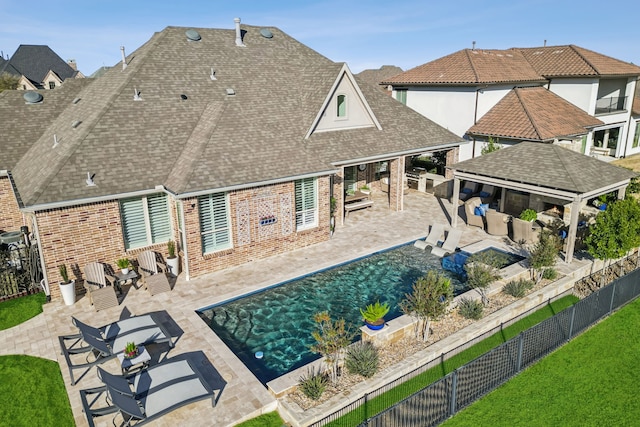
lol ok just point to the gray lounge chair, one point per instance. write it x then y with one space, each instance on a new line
106 342
450 244
435 235
149 394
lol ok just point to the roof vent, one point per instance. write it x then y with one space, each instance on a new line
89 180
32 97
184 97
136 95
75 123
238 33
55 141
76 100
264 32
192 35
124 58
230 92
213 74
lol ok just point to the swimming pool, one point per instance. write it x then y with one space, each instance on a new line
277 322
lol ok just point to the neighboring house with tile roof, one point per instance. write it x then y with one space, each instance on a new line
235 155
39 67
457 90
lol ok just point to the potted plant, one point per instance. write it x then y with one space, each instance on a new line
67 287
124 264
373 315
130 350
365 189
528 215
172 259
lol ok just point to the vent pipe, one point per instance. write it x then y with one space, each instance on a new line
124 58
473 45
238 33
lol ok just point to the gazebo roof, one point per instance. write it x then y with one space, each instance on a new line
546 165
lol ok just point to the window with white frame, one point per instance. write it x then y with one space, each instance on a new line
145 220
636 136
341 106
306 203
214 222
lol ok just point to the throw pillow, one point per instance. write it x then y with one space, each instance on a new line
484 194
484 207
467 190
477 211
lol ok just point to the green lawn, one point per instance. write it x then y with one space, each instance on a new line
18 310
591 381
32 393
419 382
272 419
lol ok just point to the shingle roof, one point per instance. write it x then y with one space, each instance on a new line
546 165
35 61
375 76
209 140
533 114
477 66
571 60
471 66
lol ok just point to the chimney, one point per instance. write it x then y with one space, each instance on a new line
238 33
124 58
72 64
473 45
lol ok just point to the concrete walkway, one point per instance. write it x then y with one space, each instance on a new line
239 395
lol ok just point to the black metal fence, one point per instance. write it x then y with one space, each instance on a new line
447 395
442 399
20 271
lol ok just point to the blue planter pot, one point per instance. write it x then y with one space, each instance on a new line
375 326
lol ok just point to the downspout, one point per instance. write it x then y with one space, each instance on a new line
185 250
45 279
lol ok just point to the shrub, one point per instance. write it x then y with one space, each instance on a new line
362 359
549 274
528 215
518 288
470 308
313 384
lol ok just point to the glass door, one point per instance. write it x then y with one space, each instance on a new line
350 179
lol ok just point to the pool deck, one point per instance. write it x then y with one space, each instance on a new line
239 395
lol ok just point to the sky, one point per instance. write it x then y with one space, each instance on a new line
364 34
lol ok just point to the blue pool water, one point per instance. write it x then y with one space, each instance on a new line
279 320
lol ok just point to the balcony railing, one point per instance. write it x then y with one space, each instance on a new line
611 105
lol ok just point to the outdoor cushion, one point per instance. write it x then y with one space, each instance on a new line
477 211
467 190
484 194
484 207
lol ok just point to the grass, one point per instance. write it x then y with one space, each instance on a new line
272 419
419 382
591 381
18 310
32 393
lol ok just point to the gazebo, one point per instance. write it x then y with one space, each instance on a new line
548 171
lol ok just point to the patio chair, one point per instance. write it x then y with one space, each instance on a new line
100 286
469 190
435 235
487 193
473 218
497 223
149 394
153 273
450 244
106 342
524 231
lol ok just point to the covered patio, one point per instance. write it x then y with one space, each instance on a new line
549 174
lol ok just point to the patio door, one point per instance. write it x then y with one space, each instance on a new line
350 179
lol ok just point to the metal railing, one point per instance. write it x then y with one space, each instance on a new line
448 394
611 104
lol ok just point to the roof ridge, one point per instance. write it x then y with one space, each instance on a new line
526 111
473 68
573 48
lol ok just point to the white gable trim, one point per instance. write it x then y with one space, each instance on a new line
344 72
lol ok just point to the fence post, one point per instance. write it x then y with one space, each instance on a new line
573 316
366 409
613 294
454 391
520 350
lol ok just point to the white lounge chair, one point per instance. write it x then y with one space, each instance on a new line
436 235
450 244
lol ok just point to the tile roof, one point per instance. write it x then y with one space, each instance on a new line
35 61
533 114
546 165
208 141
477 66
572 61
471 66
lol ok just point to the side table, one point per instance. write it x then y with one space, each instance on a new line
121 279
143 358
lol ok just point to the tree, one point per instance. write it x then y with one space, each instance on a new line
482 270
491 146
543 255
8 82
331 340
428 300
616 231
